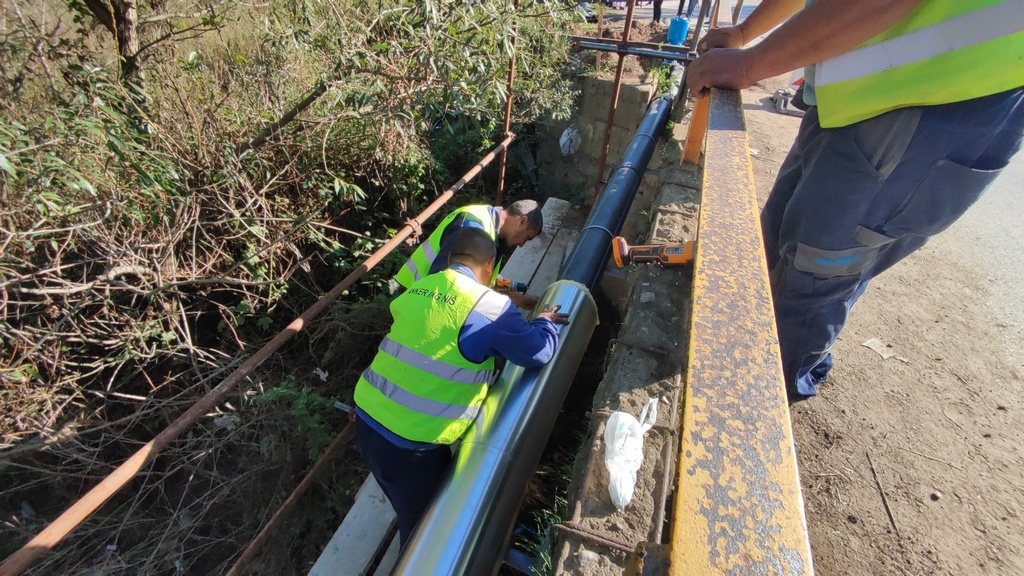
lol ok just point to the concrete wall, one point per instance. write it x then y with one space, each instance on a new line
573 177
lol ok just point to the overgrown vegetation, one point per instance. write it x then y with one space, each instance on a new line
146 248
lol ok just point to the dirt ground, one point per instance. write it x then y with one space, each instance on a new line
934 432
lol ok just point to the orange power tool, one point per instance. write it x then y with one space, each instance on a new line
664 254
506 286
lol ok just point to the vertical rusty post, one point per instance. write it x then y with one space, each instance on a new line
615 100
736 12
56 530
700 24
699 117
695 132
506 126
738 507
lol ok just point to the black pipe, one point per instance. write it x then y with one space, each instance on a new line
466 529
587 260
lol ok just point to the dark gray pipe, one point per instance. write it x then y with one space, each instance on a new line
588 258
466 529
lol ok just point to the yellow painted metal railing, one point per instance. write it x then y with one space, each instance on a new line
738 507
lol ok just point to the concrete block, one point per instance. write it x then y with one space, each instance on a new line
620 139
679 199
684 175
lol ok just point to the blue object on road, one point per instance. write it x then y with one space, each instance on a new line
677 29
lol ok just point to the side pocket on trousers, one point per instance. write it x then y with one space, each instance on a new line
942 196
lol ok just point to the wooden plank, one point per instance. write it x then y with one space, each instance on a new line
524 261
361 536
387 563
551 264
522 266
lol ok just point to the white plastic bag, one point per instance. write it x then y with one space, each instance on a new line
570 141
624 450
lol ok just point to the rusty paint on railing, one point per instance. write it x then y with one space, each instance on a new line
738 506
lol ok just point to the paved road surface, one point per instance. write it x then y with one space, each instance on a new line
645 13
990 237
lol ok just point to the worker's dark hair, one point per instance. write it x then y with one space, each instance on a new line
472 247
530 209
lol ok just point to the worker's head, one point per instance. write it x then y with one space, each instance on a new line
475 249
523 222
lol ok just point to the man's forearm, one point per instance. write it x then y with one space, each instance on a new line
768 15
824 29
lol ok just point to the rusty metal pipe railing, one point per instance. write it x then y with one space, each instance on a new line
86 505
278 518
615 100
506 125
738 507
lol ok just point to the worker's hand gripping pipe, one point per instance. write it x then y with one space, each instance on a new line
467 528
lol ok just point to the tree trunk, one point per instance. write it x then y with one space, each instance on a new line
123 23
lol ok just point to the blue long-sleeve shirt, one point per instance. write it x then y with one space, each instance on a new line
491 334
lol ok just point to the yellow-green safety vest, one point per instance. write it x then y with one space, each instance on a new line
418 265
419 385
944 51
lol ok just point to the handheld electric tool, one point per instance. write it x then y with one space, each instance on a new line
663 254
506 286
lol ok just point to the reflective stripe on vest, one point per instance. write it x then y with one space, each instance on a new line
418 265
397 394
431 366
414 271
419 385
948 52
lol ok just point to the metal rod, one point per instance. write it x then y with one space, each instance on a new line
275 521
736 12
616 44
615 100
583 534
634 50
506 126
700 23
86 505
695 40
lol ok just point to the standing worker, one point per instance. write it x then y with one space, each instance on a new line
514 226
915 107
432 372
689 9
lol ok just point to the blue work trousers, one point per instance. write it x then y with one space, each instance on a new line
409 478
850 202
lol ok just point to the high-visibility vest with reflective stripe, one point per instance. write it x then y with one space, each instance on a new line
418 265
419 385
944 51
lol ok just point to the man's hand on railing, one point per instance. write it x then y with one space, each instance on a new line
719 68
728 37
